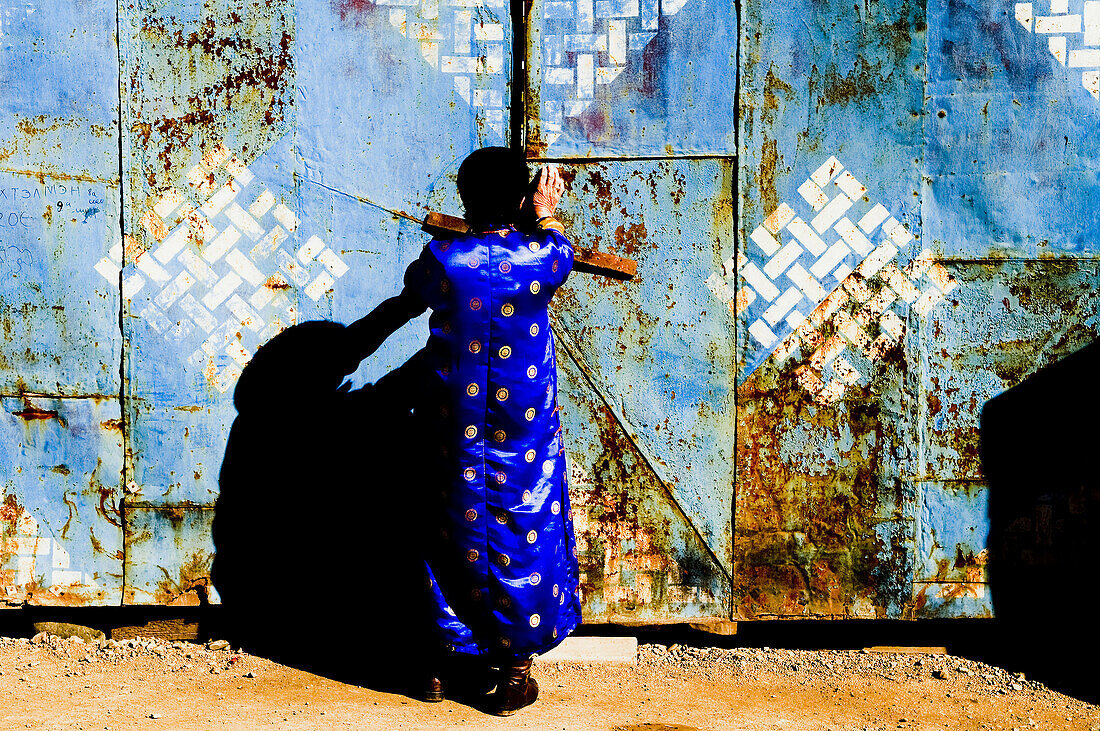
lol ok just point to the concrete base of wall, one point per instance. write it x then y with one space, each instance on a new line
622 650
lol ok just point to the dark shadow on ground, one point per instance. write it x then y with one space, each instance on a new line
317 529
1040 442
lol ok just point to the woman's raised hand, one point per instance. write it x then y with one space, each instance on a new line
548 191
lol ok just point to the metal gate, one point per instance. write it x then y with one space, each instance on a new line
778 417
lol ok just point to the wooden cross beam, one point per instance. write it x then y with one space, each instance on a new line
584 260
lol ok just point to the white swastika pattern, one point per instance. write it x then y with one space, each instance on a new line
220 269
1073 36
835 274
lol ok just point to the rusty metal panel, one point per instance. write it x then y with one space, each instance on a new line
650 364
631 77
916 237
168 554
60 427
1011 149
1009 320
60 523
206 92
831 137
275 153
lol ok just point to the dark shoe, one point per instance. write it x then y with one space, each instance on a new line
516 690
433 690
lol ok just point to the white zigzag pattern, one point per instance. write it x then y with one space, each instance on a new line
856 314
210 255
463 38
588 42
1060 26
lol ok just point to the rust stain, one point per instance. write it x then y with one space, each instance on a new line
107 505
71 505
42 175
814 538
276 282
30 412
191 587
352 12
10 512
232 74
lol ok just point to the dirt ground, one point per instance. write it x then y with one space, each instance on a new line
51 683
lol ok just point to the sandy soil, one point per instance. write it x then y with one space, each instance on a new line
66 684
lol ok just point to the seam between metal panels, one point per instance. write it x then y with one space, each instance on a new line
517 116
122 404
60 396
563 337
1017 259
641 158
735 222
921 405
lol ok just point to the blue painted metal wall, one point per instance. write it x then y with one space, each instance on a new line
853 226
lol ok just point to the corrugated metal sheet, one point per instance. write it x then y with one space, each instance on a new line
854 226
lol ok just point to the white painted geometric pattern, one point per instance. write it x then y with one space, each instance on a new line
586 43
36 556
828 279
462 38
1073 37
224 270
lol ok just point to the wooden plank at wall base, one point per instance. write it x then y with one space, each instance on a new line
721 627
169 629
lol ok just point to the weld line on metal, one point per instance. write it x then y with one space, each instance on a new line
361 199
127 471
58 175
736 233
640 158
566 340
1023 259
62 396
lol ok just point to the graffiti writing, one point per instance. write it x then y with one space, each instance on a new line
13 259
14 219
51 191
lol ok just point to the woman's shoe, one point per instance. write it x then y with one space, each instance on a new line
516 690
433 690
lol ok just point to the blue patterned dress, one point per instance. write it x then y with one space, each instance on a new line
502 569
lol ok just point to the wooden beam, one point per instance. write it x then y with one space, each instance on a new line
584 260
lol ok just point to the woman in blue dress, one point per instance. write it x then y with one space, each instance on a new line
501 567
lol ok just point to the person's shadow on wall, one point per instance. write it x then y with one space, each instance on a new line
317 530
1040 444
